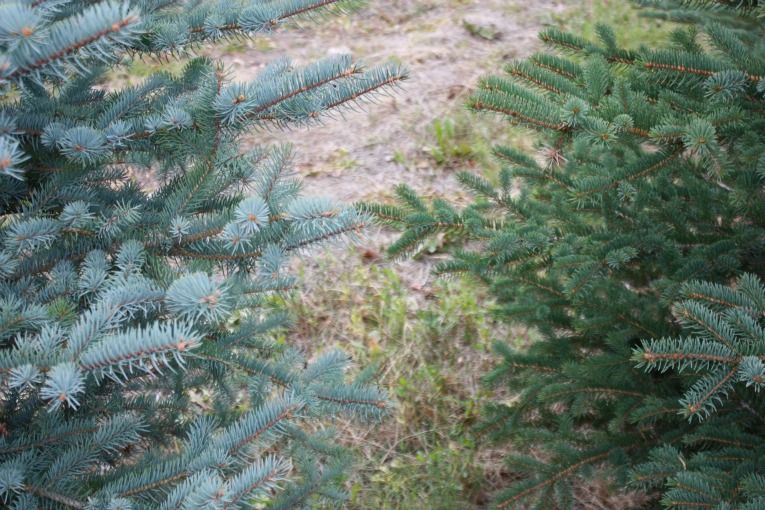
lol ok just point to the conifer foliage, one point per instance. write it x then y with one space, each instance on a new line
632 242
139 367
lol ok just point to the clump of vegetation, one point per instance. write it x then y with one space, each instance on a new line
137 365
632 242
424 341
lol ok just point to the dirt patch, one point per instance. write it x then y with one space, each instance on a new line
352 158
358 155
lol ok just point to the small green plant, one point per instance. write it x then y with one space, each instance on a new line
487 32
399 156
449 143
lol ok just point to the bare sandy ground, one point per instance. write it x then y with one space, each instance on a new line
351 158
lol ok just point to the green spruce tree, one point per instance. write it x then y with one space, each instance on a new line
139 368
632 241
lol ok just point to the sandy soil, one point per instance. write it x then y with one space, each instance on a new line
351 158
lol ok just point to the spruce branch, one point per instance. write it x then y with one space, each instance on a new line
109 23
210 162
52 496
262 423
304 84
491 102
636 171
256 478
155 485
506 501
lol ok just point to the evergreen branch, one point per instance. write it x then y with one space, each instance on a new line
313 486
301 10
381 404
223 28
210 166
154 407
82 457
683 64
583 281
638 132
282 16
545 175
277 472
218 257
691 502
687 313
704 297
698 404
341 74
286 414
625 415
93 322
652 476
368 90
683 69
536 81
557 65
712 439
284 163
247 370
74 47
78 231
633 177
565 40
478 104
660 412
52 496
122 213
155 485
263 290
483 431
389 217
201 235
51 439
652 358
596 325
637 325
327 236
43 268
539 285
561 474
606 391
133 346
534 367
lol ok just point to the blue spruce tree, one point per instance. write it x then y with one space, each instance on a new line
119 305
633 242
